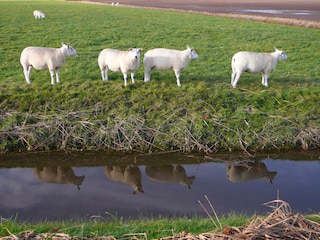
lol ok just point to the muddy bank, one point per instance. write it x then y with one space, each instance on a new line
289 12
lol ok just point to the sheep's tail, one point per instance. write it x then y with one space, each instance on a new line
232 63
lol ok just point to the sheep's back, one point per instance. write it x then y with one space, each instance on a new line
162 58
112 56
250 61
39 57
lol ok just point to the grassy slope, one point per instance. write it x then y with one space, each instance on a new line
97 226
205 114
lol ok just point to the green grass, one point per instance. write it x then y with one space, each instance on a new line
153 228
143 228
205 114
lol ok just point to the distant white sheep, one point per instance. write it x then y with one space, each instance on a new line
45 58
253 62
165 59
119 61
38 14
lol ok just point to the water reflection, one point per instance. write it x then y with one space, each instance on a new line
59 175
130 175
172 185
249 170
169 174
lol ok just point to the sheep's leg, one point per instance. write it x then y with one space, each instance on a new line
265 80
52 76
147 74
26 72
235 78
125 76
132 77
57 76
177 73
104 74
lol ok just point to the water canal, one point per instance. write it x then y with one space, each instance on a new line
63 186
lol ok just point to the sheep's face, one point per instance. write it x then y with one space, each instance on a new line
71 50
193 53
68 49
134 53
282 54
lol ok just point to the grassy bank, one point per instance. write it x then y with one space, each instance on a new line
205 114
118 228
280 223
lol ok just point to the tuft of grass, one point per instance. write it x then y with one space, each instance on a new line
205 114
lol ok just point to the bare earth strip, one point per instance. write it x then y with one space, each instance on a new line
303 13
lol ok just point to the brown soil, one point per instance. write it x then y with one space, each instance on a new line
304 13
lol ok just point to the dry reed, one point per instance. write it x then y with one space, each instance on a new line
85 130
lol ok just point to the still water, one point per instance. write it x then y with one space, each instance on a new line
66 186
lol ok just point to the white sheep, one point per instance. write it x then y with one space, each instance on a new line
119 61
45 58
253 62
38 14
165 59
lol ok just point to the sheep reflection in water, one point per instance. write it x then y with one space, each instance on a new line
249 170
169 174
59 175
130 175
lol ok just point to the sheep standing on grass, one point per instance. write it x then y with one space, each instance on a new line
45 58
119 61
253 62
165 59
38 14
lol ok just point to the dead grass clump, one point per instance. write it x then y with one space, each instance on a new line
308 138
281 223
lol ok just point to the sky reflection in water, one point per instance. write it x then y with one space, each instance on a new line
102 191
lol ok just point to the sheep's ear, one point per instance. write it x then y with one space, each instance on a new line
276 49
141 49
188 47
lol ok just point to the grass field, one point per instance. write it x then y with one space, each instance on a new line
119 228
206 114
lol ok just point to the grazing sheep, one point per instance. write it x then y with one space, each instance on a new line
165 59
38 14
119 61
253 62
45 58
